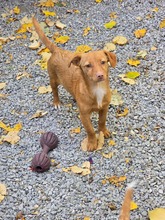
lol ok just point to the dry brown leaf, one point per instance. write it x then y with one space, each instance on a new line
120 40
26 20
34 37
38 114
86 164
113 15
154 48
116 180
76 169
109 155
3 96
23 74
60 25
116 98
11 137
110 47
44 89
49 22
123 114
35 45
127 80
100 138
157 214
2 85
3 191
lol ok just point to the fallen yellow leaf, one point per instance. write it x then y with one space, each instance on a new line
83 48
120 40
49 13
112 143
76 130
140 33
87 217
62 39
110 24
162 24
48 3
157 214
17 127
16 10
98 1
86 31
133 62
133 206
24 28
132 75
155 9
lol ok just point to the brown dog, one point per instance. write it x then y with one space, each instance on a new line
85 77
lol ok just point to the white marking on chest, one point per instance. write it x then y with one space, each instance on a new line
99 92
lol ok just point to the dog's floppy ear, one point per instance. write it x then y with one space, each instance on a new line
111 57
75 61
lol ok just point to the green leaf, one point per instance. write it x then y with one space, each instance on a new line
132 75
110 24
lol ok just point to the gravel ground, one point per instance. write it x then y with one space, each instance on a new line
138 136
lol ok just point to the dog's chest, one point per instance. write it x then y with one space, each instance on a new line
99 92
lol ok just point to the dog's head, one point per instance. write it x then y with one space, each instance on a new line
95 64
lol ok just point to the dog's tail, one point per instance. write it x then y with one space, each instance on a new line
125 209
42 36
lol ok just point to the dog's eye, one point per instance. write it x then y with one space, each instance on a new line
88 65
103 62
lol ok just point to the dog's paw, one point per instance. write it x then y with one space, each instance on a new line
106 133
57 106
91 146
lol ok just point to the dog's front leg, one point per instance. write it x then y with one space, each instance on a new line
102 121
92 140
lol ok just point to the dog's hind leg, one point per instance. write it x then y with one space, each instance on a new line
54 85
